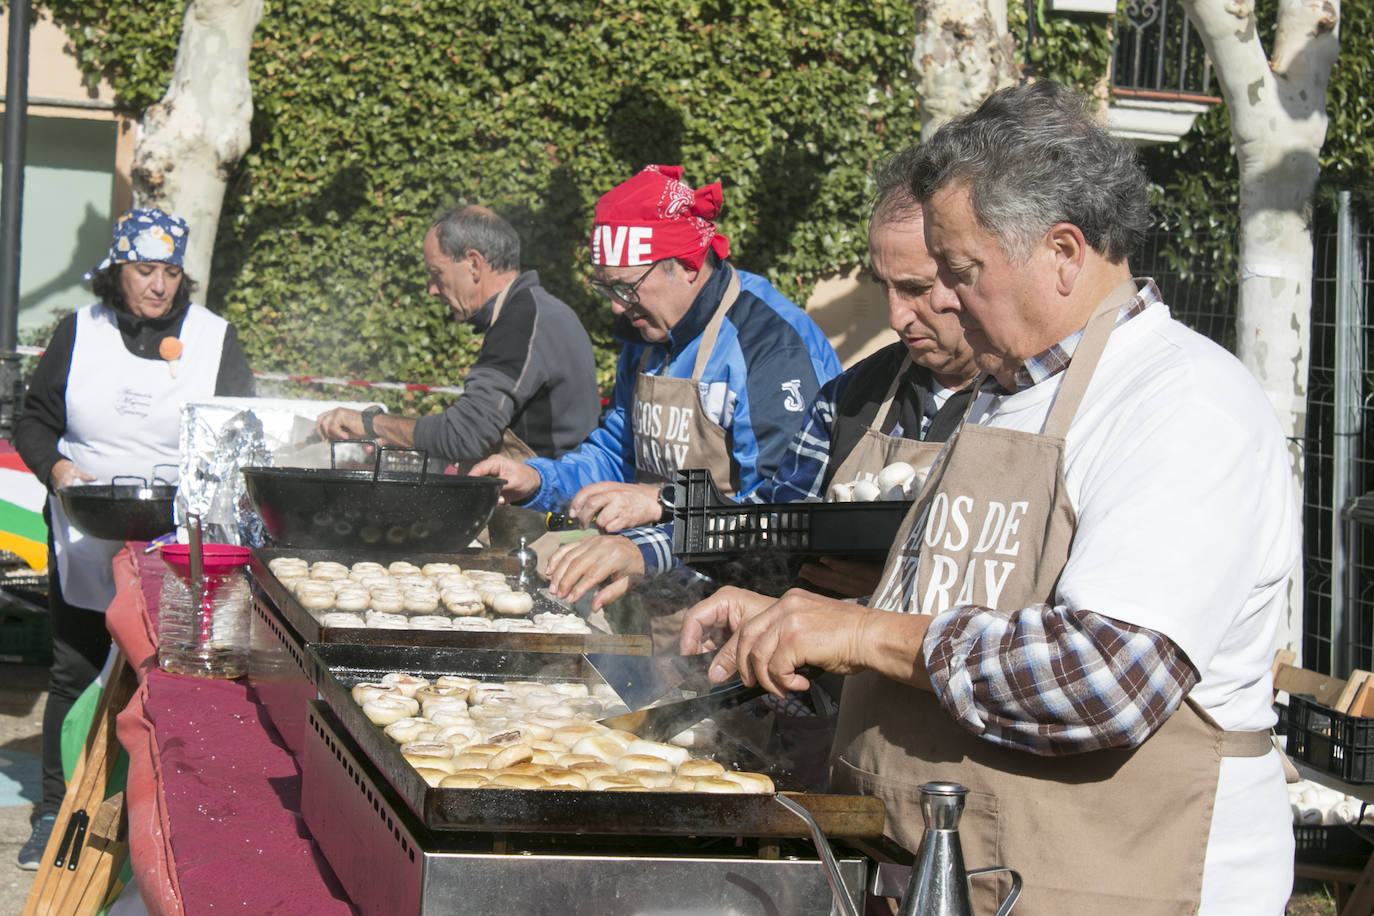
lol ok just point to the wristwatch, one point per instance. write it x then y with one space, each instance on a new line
368 415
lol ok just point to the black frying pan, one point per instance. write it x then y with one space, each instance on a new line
120 511
383 510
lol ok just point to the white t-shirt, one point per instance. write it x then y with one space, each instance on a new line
1188 525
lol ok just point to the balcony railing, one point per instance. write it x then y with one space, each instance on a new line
1157 55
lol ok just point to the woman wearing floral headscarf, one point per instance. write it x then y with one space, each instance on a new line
105 399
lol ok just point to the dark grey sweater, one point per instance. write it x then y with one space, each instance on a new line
534 374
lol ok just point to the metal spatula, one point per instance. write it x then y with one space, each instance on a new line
659 723
642 679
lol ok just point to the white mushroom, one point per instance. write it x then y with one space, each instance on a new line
866 491
894 479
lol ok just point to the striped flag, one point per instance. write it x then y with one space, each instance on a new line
22 531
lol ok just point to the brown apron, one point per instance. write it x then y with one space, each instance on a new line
804 741
1111 831
876 449
672 432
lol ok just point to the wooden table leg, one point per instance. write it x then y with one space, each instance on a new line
53 887
1361 899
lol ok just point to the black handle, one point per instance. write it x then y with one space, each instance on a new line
61 858
78 838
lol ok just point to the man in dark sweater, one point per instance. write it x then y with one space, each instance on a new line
531 392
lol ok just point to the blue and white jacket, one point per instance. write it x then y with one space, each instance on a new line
768 362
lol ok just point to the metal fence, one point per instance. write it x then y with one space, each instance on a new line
1157 54
1338 557
1338 562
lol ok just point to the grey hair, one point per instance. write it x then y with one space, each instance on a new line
1032 156
479 229
893 198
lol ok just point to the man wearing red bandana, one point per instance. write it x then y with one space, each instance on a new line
716 372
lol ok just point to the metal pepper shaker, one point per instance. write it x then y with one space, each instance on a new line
939 880
529 564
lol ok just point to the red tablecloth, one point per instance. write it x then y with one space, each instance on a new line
213 796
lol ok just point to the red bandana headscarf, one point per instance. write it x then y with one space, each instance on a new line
655 216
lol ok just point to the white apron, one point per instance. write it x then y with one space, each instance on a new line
123 417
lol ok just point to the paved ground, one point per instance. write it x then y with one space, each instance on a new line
23 691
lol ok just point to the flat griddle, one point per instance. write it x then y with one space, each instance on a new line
279 599
339 667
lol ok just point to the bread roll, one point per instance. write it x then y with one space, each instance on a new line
516 781
510 756
675 756
435 763
466 760
564 778
431 775
642 762
749 782
571 734
593 768
467 780
697 769
603 747
651 779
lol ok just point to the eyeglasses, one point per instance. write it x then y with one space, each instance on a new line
627 293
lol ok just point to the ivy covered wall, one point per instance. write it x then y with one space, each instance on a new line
372 115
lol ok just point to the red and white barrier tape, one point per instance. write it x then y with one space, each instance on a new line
357 383
319 379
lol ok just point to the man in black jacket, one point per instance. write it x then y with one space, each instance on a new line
532 390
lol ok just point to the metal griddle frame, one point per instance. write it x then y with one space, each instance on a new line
567 812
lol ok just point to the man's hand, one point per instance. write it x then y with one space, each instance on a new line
575 568
843 578
340 423
616 506
65 473
709 623
773 638
522 481
345 423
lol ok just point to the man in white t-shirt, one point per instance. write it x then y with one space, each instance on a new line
1078 619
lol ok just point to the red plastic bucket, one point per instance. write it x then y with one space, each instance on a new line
217 559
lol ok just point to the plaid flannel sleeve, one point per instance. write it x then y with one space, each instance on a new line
801 474
656 544
1054 681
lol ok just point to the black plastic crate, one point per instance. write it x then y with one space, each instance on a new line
1340 744
709 527
1333 844
25 636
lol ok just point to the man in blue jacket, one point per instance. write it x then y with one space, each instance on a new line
716 371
